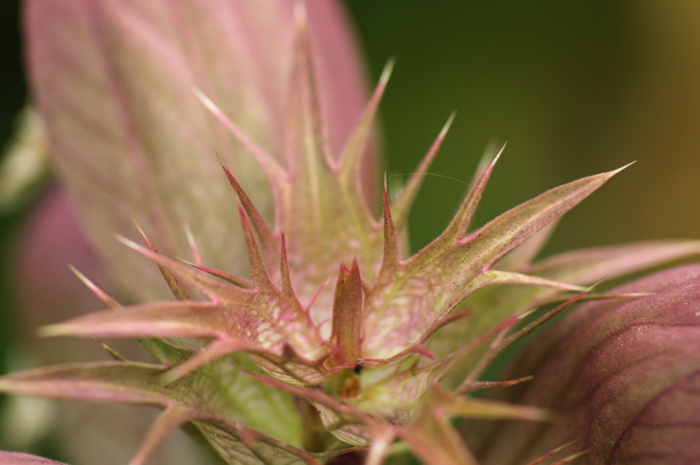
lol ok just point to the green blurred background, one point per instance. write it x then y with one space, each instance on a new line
574 87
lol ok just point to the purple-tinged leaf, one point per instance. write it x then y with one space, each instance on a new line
625 375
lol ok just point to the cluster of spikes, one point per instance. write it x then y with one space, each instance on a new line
377 363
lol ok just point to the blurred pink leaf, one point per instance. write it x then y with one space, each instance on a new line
17 458
114 85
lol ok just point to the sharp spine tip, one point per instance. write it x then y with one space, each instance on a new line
499 153
623 167
127 242
448 124
206 101
50 331
388 69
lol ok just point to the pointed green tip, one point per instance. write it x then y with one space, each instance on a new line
447 125
614 172
499 153
81 276
206 101
490 158
52 330
128 242
187 262
148 252
220 160
592 286
86 281
138 227
388 69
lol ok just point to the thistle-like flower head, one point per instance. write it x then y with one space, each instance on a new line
335 329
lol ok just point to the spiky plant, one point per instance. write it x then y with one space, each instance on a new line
338 343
